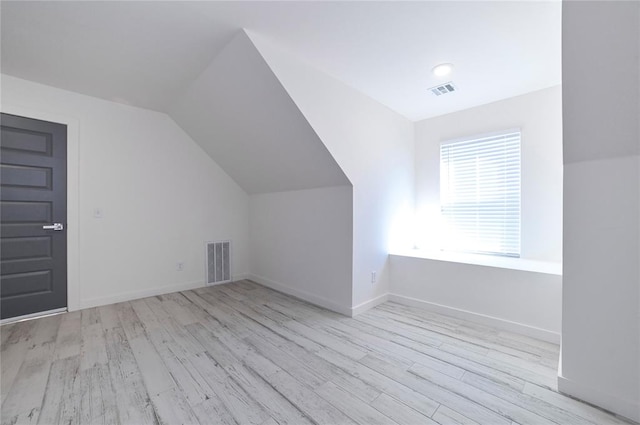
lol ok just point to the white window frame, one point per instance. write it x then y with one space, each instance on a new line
476 219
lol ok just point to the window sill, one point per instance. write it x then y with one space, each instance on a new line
546 267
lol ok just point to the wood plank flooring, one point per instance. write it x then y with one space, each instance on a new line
244 354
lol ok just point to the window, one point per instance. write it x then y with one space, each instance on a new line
480 194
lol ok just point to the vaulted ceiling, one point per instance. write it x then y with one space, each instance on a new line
240 114
147 52
194 61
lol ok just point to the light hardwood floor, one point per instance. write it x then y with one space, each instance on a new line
241 353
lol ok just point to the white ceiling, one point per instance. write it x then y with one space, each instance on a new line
148 53
240 114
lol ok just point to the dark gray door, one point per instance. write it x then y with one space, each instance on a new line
33 196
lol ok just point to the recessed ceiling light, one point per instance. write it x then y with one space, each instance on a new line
442 69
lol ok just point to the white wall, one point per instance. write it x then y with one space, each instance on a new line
240 114
302 242
516 300
162 197
539 116
600 355
374 147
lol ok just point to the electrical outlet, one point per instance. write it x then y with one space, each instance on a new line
373 277
179 266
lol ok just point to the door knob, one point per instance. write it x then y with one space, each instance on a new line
55 226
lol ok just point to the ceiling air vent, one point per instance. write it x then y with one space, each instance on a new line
443 89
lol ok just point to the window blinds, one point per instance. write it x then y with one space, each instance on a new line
480 194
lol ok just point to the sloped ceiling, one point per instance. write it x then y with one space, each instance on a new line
240 114
145 52
192 60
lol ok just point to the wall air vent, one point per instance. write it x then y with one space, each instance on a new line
218 255
443 89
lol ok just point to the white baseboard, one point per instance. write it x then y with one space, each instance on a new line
361 308
498 323
241 276
630 409
134 295
303 295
